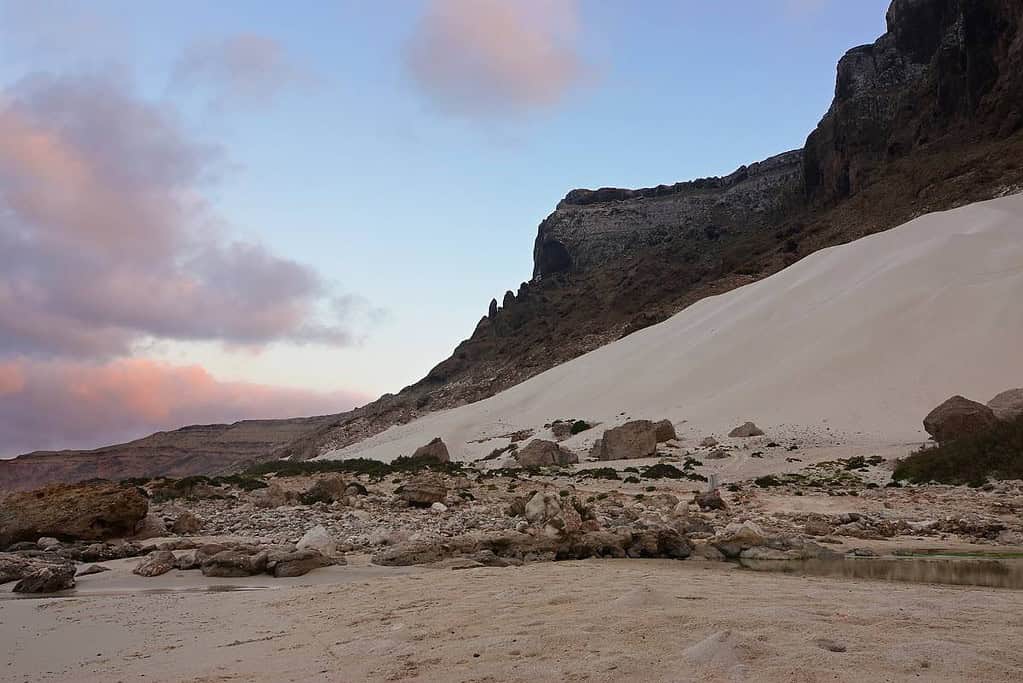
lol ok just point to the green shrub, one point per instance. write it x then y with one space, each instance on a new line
663 471
995 453
580 426
599 473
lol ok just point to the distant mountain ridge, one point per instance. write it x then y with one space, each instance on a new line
928 117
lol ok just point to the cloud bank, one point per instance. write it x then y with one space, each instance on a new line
492 57
51 405
108 242
105 236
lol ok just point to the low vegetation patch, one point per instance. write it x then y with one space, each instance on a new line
995 453
373 468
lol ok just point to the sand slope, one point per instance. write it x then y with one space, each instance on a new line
864 338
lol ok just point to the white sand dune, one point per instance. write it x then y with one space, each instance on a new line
862 339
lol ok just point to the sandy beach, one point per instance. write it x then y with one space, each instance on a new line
617 620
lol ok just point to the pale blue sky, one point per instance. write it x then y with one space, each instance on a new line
351 167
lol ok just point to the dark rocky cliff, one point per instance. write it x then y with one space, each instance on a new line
928 117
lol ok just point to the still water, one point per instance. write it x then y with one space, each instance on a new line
993 573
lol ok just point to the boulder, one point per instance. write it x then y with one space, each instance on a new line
92 511
739 536
434 453
406 553
1007 405
958 417
273 496
156 563
47 578
710 500
709 442
745 431
234 563
327 489
14 567
320 540
151 526
297 563
635 439
541 453
187 561
664 431
48 543
92 569
424 490
541 508
187 523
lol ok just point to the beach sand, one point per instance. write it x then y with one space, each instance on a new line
617 620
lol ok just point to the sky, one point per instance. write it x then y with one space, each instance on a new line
247 209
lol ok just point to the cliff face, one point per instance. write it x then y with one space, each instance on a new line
946 71
591 228
927 118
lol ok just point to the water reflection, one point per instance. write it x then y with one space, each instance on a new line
959 572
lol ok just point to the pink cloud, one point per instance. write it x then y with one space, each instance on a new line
106 238
487 57
49 405
241 68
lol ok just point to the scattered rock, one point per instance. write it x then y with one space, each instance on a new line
92 569
297 563
439 507
47 543
635 439
664 431
234 563
151 526
423 551
320 540
424 490
958 417
541 453
91 511
1007 405
273 496
829 645
156 563
187 523
47 578
710 500
327 489
746 431
541 508
709 442
435 453
718 454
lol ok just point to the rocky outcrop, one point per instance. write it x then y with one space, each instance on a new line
958 417
156 564
72 511
591 228
635 439
326 489
1007 405
944 68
